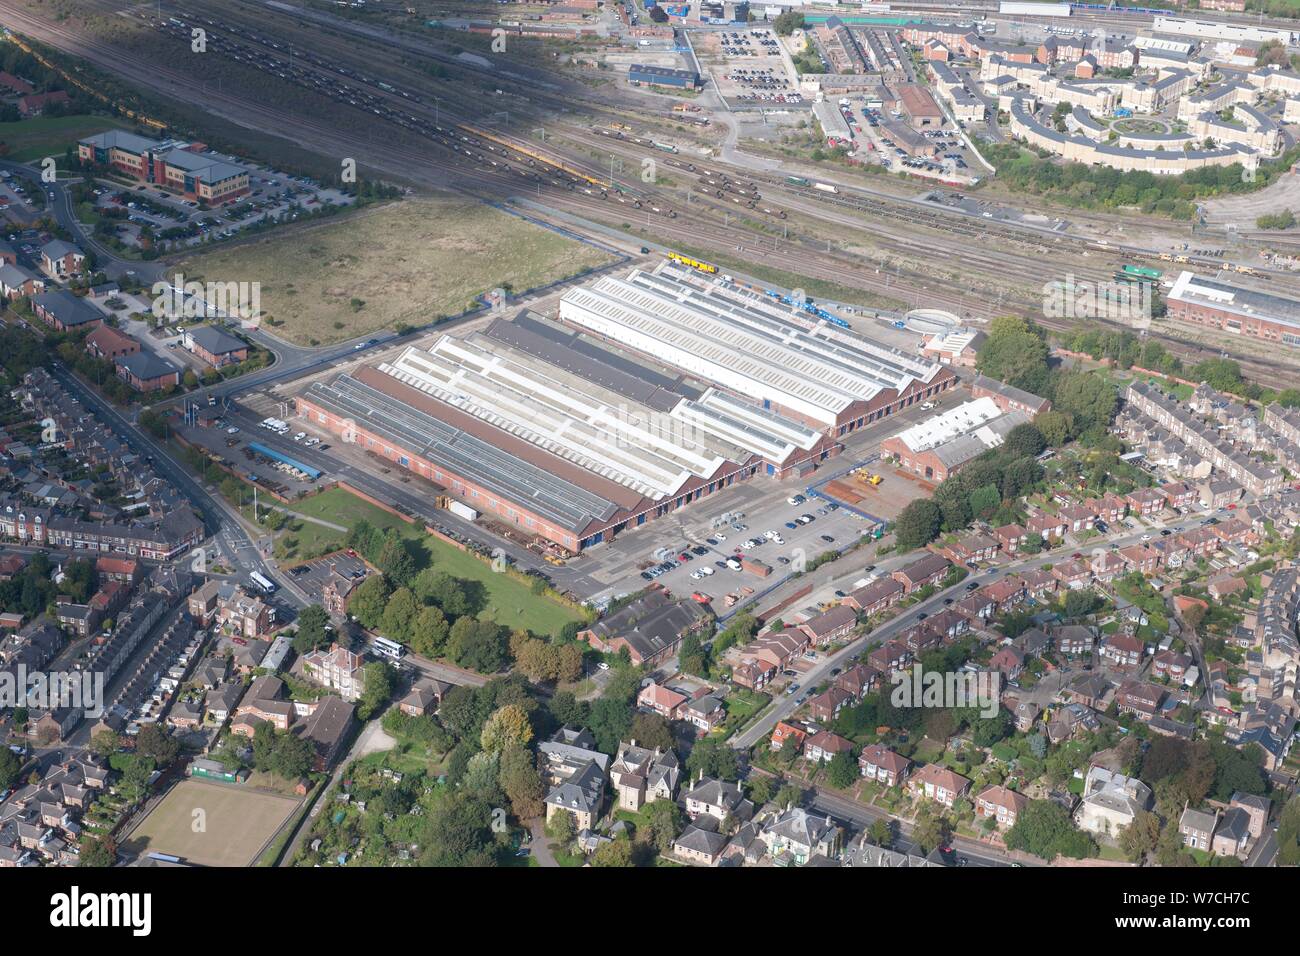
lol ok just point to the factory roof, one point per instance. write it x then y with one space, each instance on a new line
742 341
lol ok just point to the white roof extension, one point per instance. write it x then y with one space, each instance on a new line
753 346
967 418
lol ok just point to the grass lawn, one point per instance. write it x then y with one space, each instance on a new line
33 139
237 821
510 602
404 262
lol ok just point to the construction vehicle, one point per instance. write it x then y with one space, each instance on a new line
876 479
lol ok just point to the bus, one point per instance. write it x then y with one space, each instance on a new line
262 581
386 648
693 263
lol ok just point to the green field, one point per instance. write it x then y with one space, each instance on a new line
32 139
510 602
407 262
237 823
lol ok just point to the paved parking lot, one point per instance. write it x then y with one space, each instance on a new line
311 576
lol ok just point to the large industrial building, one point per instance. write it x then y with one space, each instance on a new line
555 435
1234 308
750 344
551 428
940 446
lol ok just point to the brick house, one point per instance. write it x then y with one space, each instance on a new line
939 784
930 569
830 626
1001 804
106 342
885 766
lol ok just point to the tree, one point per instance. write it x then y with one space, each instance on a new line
1288 833
787 22
985 501
368 603
480 645
609 723
843 772
1140 837
1055 426
931 832
1090 399
1044 829
105 743
1081 603
10 768
395 559
429 632
312 633
663 821
713 757
692 656
616 852
880 832
154 741
378 689
1024 441
651 731
521 782
918 524
1016 353
508 726
97 852
398 621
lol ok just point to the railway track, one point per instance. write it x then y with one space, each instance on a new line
802 254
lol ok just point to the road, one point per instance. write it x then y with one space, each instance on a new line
220 520
859 816
786 705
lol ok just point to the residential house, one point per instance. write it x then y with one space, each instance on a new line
939 784
1001 804
930 569
660 700
1196 827
640 776
581 794
338 669
832 625
885 766
822 746
795 836
1111 801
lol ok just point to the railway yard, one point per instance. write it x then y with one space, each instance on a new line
589 161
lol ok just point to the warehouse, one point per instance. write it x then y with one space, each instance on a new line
750 345
938 447
1234 308
553 437
663 76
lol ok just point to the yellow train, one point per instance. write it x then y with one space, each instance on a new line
690 263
